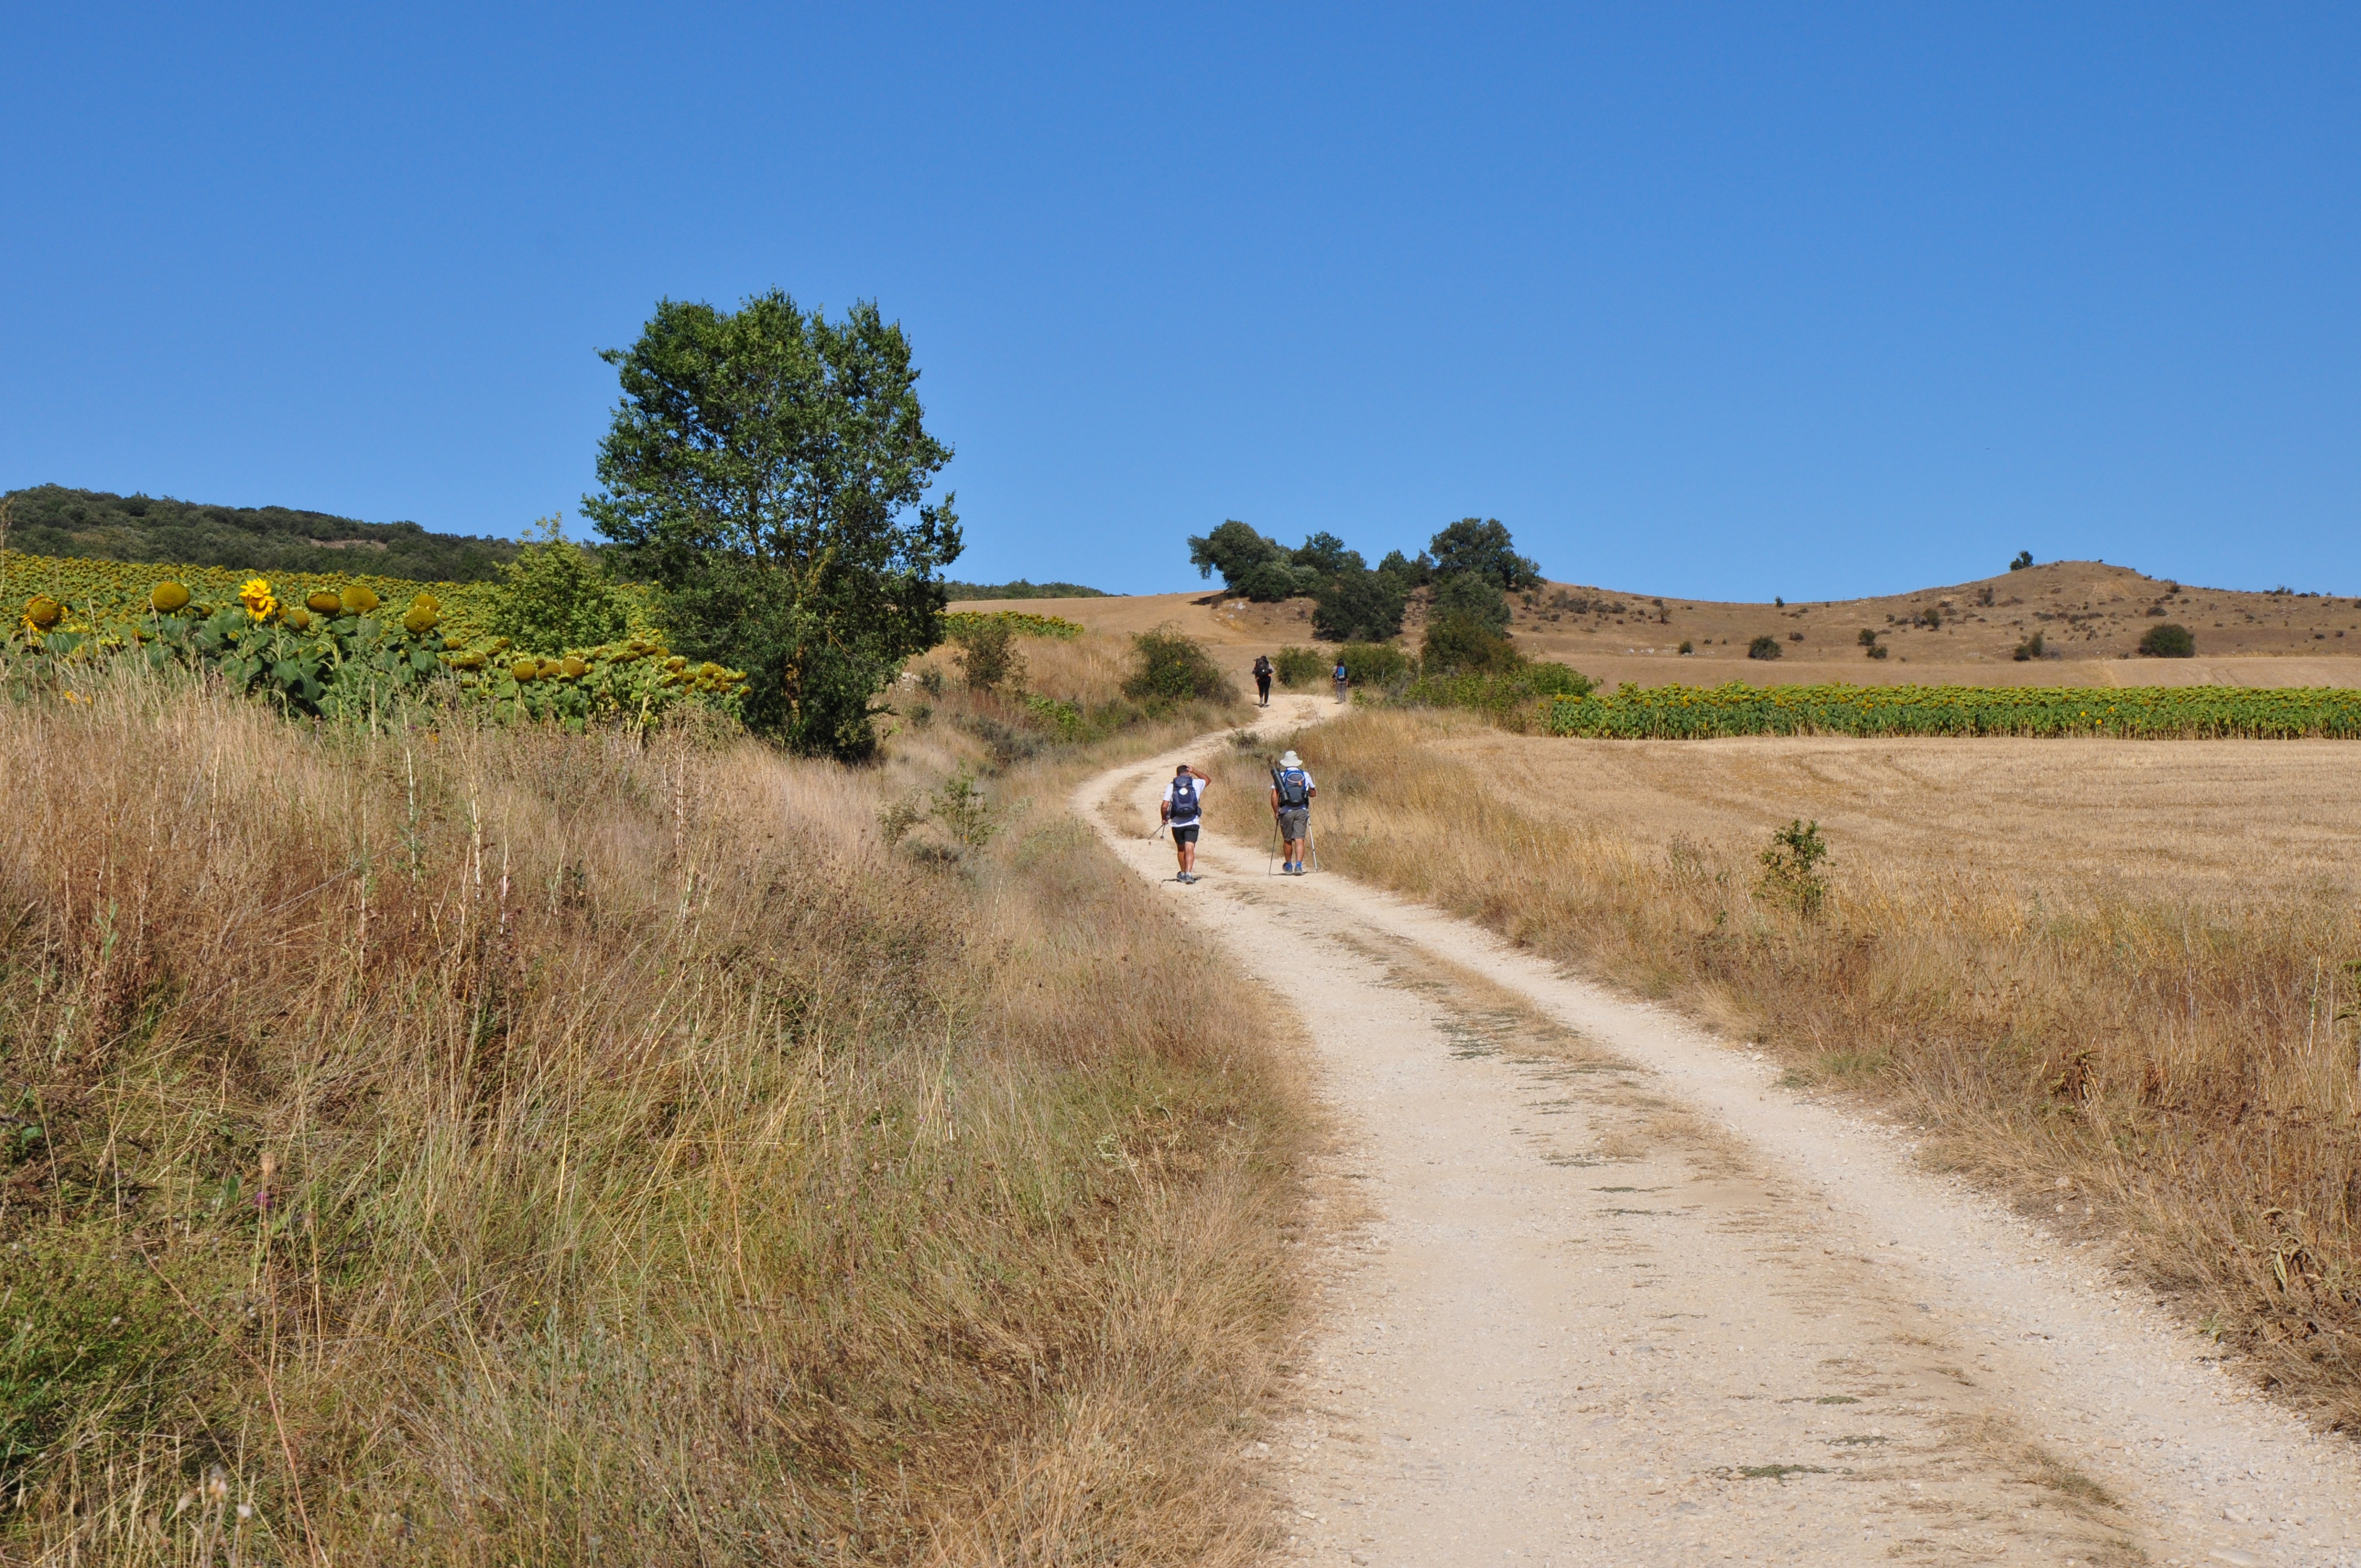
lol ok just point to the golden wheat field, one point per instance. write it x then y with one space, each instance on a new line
2219 820
2109 978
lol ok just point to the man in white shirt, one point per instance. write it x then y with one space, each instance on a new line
1184 813
1290 803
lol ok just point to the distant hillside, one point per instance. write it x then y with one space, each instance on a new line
1021 590
50 519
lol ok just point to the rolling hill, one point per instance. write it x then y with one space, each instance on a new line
51 520
2091 615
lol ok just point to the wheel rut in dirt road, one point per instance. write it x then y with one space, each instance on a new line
1599 1292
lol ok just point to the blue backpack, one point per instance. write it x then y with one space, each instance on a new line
1184 800
1294 786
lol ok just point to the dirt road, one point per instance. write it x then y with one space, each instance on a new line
1599 1290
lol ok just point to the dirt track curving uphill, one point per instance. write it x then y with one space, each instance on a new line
1598 1292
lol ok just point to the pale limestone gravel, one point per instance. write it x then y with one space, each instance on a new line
1609 1295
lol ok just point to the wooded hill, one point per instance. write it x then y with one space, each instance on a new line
51 520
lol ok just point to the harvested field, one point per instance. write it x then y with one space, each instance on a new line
2217 822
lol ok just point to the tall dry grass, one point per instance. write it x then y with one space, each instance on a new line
2166 1068
477 1145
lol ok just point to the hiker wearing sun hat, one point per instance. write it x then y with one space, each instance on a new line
1290 804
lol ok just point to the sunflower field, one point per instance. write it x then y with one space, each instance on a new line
1021 623
332 645
1695 713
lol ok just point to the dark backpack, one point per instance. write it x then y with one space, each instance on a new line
1293 786
1184 800
1262 666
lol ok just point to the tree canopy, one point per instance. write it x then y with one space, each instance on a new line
767 468
1021 590
1482 546
1470 564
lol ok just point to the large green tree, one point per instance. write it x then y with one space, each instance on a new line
1482 545
767 468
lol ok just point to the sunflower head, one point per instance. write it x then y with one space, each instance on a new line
41 612
257 597
299 618
574 668
420 620
324 602
525 670
168 597
357 601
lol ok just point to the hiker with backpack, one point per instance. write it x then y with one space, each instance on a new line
1262 673
1184 814
1340 679
1290 805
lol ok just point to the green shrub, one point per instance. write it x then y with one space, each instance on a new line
1267 582
1764 647
1468 596
1301 666
2171 641
2028 650
1359 606
988 654
1378 664
556 596
1462 645
1175 667
1790 865
1518 700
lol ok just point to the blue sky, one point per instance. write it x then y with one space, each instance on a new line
1719 302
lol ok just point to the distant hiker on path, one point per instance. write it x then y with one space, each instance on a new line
1262 678
1340 680
1184 814
1290 804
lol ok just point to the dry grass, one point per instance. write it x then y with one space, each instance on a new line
2106 975
1089 669
493 1146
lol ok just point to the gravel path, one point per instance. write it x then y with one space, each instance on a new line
1598 1292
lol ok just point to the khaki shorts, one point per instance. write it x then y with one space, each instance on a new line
1294 822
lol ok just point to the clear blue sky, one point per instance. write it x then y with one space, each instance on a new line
1725 301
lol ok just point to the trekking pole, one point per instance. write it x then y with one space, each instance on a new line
1270 867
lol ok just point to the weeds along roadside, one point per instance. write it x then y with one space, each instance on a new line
2174 1071
486 1144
